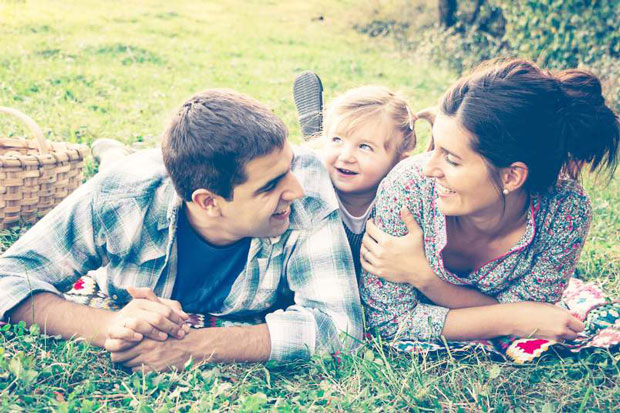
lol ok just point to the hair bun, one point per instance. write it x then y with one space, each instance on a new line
588 127
581 87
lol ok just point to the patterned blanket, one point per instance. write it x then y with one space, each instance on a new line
586 301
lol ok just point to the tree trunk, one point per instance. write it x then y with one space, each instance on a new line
447 13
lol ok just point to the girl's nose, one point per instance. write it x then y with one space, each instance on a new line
346 154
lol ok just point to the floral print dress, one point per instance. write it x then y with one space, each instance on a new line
536 268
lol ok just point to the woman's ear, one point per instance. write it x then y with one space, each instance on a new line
208 202
514 176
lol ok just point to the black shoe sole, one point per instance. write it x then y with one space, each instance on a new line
308 97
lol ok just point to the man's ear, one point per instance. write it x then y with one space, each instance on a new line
514 176
208 202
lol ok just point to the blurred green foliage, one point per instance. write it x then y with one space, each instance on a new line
560 33
557 34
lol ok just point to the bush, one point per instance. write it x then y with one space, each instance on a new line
562 33
556 34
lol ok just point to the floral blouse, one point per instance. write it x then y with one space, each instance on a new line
536 268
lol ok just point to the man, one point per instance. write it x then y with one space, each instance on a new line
220 225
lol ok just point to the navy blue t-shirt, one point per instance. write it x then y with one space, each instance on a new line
205 273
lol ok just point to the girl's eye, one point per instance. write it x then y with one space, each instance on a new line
336 139
366 147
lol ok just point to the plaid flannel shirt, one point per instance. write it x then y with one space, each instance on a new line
125 220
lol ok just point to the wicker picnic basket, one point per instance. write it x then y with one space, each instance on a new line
35 175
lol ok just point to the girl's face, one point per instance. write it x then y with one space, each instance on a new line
463 182
357 160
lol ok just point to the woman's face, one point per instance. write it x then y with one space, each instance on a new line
462 178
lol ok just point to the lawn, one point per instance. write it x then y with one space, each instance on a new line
88 69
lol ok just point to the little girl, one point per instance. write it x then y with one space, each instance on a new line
367 131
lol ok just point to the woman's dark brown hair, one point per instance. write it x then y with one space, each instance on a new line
554 123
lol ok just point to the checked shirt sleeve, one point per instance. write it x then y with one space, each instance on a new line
327 314
53 254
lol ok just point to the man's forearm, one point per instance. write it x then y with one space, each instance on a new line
231 344
56 315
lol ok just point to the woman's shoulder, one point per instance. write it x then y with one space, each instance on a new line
566 193
565 207
409 171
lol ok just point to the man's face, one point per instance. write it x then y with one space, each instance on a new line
261 206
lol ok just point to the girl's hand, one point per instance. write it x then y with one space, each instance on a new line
544 320
396 259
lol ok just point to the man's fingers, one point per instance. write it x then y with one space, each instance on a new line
163 324
176 306
163 310
124 333
143 293
148 294
113 345
143 368
143 326
125 355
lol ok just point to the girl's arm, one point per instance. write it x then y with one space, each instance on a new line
402 260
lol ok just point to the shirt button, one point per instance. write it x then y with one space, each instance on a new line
115 297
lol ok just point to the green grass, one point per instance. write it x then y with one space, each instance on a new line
92 69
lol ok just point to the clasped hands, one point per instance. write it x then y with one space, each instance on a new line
137 334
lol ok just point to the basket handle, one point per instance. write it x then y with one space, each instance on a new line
32 125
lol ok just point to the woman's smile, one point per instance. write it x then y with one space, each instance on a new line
443 191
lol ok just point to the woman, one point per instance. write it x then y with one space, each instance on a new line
502 217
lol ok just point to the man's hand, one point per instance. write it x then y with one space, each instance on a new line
217 345
396 259
145 316
152 355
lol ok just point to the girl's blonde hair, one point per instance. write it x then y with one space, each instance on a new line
358 106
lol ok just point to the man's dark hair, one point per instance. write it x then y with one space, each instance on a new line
213 136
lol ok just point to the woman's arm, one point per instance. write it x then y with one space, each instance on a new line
524 319
402 260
